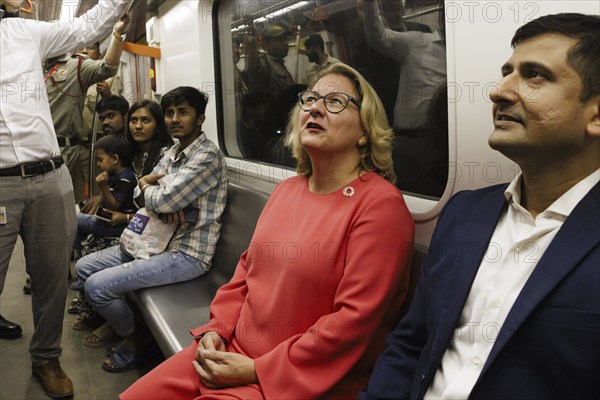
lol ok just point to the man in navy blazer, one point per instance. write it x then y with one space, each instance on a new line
508 303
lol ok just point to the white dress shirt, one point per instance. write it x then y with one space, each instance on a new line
423 69
515 248
26 129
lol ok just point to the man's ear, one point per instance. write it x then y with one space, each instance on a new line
593 126
200 120
116 160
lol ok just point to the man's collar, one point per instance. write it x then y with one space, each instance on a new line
513 191
565 203
191 147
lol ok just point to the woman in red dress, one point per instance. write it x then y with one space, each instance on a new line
307 310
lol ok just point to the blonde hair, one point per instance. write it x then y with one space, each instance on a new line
376 155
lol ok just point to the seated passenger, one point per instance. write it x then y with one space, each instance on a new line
114 155
197 178
306 311
112 114
116 181
112 111
149 137
508 305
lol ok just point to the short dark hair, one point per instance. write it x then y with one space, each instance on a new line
116 103
117 144
584 56
315 40
195 98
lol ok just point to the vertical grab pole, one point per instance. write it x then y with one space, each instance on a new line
93 136
297 67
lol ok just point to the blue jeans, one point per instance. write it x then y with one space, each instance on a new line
87 224
110 273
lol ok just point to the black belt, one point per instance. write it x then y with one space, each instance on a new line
71 141
32 169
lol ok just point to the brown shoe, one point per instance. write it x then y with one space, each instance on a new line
54 381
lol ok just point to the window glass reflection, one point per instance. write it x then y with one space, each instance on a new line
277 48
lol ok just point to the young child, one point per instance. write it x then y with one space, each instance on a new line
114 155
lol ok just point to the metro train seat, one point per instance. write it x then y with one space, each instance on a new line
170 311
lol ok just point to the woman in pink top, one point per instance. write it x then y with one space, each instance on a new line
307 310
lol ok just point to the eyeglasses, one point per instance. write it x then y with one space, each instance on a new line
335 102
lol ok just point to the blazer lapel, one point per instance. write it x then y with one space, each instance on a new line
573 241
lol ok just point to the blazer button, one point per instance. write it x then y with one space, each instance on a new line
423 377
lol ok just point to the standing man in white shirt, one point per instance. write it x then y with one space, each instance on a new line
422 56
508 302
36 200
67 80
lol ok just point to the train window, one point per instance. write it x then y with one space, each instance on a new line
270 50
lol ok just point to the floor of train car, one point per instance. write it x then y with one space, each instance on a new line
81 363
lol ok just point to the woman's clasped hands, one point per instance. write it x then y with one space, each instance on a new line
219 368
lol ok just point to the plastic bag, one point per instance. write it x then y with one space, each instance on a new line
146 235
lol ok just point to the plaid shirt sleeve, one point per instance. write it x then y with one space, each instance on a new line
193 174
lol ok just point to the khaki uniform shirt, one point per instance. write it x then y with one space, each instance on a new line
65 94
